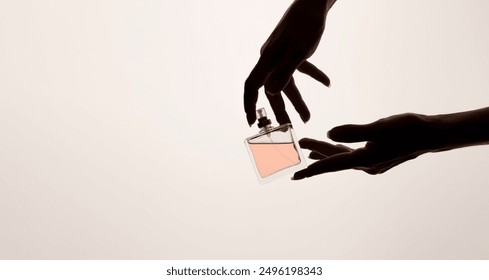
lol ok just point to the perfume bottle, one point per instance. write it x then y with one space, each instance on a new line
274 151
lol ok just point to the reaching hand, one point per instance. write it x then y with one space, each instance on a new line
390 142
294 39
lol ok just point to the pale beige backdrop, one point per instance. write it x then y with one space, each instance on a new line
122 128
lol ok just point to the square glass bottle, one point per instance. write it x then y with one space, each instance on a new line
274 151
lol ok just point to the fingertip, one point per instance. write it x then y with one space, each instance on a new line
251 118
250 111
337 133
330 134
297 176
303 143
301 174
305 116
327 81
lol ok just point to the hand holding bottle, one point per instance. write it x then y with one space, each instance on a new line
294 40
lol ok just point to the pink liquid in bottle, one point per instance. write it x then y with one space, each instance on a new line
273 157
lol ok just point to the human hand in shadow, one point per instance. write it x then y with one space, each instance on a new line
293 40
390 142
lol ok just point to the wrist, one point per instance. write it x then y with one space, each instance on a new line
442 131
460 129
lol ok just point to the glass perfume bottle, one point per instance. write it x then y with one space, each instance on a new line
274 151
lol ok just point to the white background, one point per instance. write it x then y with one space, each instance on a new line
122 128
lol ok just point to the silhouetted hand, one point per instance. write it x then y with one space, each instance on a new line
394 140
294 39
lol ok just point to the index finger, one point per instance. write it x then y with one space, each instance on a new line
253 83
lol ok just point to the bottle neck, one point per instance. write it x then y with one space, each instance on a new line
266 128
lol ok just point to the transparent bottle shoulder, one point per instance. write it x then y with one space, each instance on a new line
279 134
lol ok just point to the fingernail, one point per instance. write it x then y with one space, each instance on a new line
305 117
331 134
250 120
296 177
